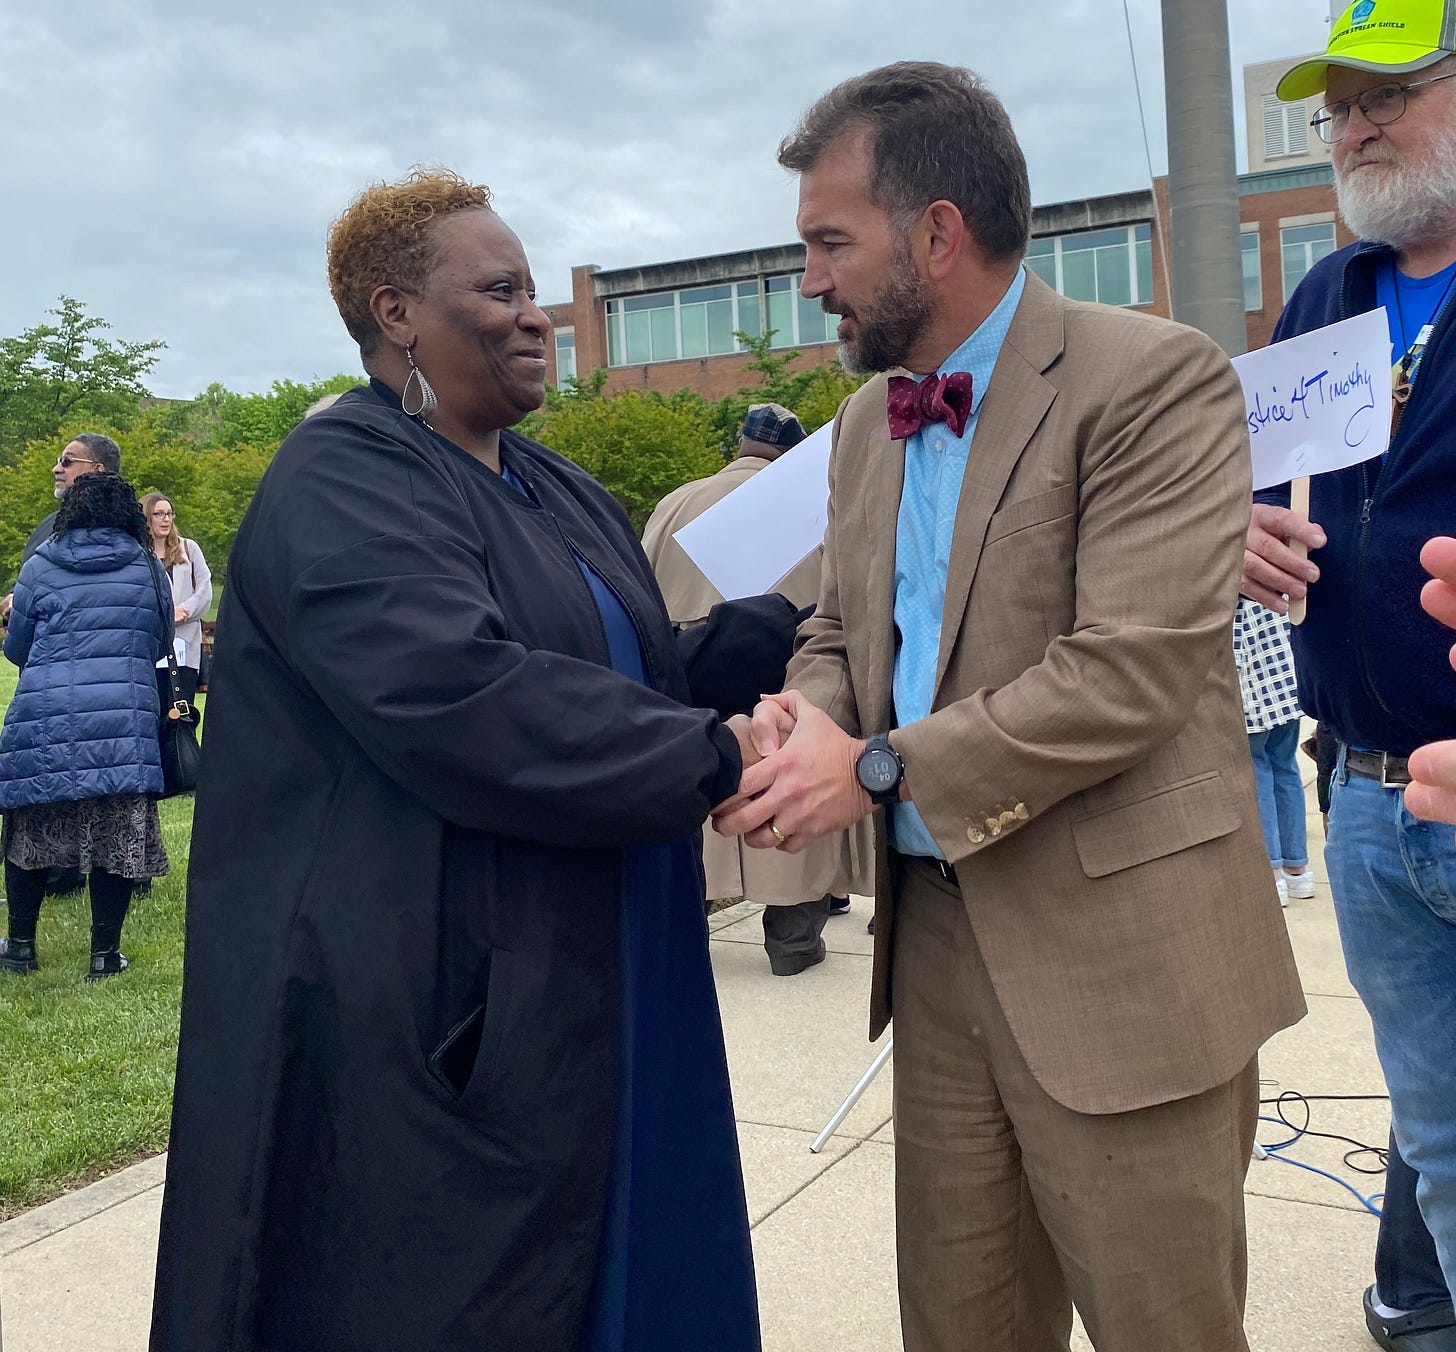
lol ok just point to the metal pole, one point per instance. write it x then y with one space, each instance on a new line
1203 198
831 1126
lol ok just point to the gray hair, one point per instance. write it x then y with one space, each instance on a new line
935 132
102 449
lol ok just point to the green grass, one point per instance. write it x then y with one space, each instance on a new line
86 1070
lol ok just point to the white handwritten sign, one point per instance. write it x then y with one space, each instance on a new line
1320 401
746 542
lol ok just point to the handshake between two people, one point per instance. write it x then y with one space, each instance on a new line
799 780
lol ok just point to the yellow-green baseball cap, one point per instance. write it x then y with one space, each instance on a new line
1390 37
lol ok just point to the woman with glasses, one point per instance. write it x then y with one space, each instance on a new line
79 760
191 594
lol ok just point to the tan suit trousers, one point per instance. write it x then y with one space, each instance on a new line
1009 1206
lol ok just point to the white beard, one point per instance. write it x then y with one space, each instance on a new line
1404 204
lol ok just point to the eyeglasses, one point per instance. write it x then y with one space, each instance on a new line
1381 105
164 512
66 461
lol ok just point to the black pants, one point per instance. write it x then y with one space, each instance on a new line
1407 1272
791 933
110 899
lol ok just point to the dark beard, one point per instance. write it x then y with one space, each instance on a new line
898 316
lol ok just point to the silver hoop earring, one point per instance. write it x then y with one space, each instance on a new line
428 402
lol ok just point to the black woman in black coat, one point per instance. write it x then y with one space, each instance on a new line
451 1074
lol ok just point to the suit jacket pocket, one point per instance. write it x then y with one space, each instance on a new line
1172 819
1051 505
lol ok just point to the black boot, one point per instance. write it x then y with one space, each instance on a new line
109 962
17 957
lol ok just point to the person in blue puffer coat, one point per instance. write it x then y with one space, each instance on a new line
80 766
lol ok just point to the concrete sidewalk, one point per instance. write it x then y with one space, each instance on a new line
76 1274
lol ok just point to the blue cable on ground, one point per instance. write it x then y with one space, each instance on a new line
1274 1151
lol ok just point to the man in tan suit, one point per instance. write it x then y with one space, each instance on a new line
1021 648
798 893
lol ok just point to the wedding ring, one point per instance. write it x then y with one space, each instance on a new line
777 834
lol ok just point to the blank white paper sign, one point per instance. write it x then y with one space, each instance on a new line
746 542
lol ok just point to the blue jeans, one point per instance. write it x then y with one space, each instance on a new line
1281 794
1394 883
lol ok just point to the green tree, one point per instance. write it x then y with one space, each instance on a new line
69 372
638 444
814 394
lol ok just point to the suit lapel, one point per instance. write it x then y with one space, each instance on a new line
1016 401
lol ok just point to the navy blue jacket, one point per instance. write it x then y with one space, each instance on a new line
1371 663
87 632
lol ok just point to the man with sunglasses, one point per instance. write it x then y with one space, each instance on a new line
86 454
1371 664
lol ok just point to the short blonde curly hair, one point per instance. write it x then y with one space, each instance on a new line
382 239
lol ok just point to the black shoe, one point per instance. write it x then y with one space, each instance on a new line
870 928
17 957
1430 1330
838 905
791 964
112 962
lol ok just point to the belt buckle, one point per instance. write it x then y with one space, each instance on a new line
1385 781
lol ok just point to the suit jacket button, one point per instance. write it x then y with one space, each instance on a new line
1007 818
1023 813
974 835
993 825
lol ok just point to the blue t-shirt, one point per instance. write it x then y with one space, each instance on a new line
1411 303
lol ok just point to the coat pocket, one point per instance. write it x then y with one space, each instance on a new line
1051 505
463 1061
1162 823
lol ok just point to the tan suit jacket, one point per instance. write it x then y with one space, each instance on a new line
1084 765
840 863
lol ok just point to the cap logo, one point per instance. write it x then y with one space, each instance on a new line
1362 12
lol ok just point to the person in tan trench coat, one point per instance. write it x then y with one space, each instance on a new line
799 892
1025 659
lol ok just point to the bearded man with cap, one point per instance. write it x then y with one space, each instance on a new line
1371 664
798 893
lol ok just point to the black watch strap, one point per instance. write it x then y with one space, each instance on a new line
879 770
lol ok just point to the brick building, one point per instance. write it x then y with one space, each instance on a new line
669 326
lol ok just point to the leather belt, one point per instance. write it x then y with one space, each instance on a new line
946 871
1391 771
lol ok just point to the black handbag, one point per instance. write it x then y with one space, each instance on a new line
177 730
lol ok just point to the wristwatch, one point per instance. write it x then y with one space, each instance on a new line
879 770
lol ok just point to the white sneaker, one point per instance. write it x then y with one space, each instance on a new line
1300 886
1281 885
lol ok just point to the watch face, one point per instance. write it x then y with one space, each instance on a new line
879 770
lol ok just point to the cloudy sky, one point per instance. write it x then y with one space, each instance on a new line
177 171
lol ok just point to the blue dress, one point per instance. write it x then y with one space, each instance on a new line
675 1264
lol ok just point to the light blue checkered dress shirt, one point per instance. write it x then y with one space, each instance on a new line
935 463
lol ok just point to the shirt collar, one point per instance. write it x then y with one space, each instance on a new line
979 352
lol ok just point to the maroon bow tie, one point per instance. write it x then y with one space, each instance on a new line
935 399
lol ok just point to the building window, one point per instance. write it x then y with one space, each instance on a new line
1286 128
793 319
695 322
1111 266
565 355
1301 247
1253 275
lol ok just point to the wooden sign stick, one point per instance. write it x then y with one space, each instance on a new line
1299 504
